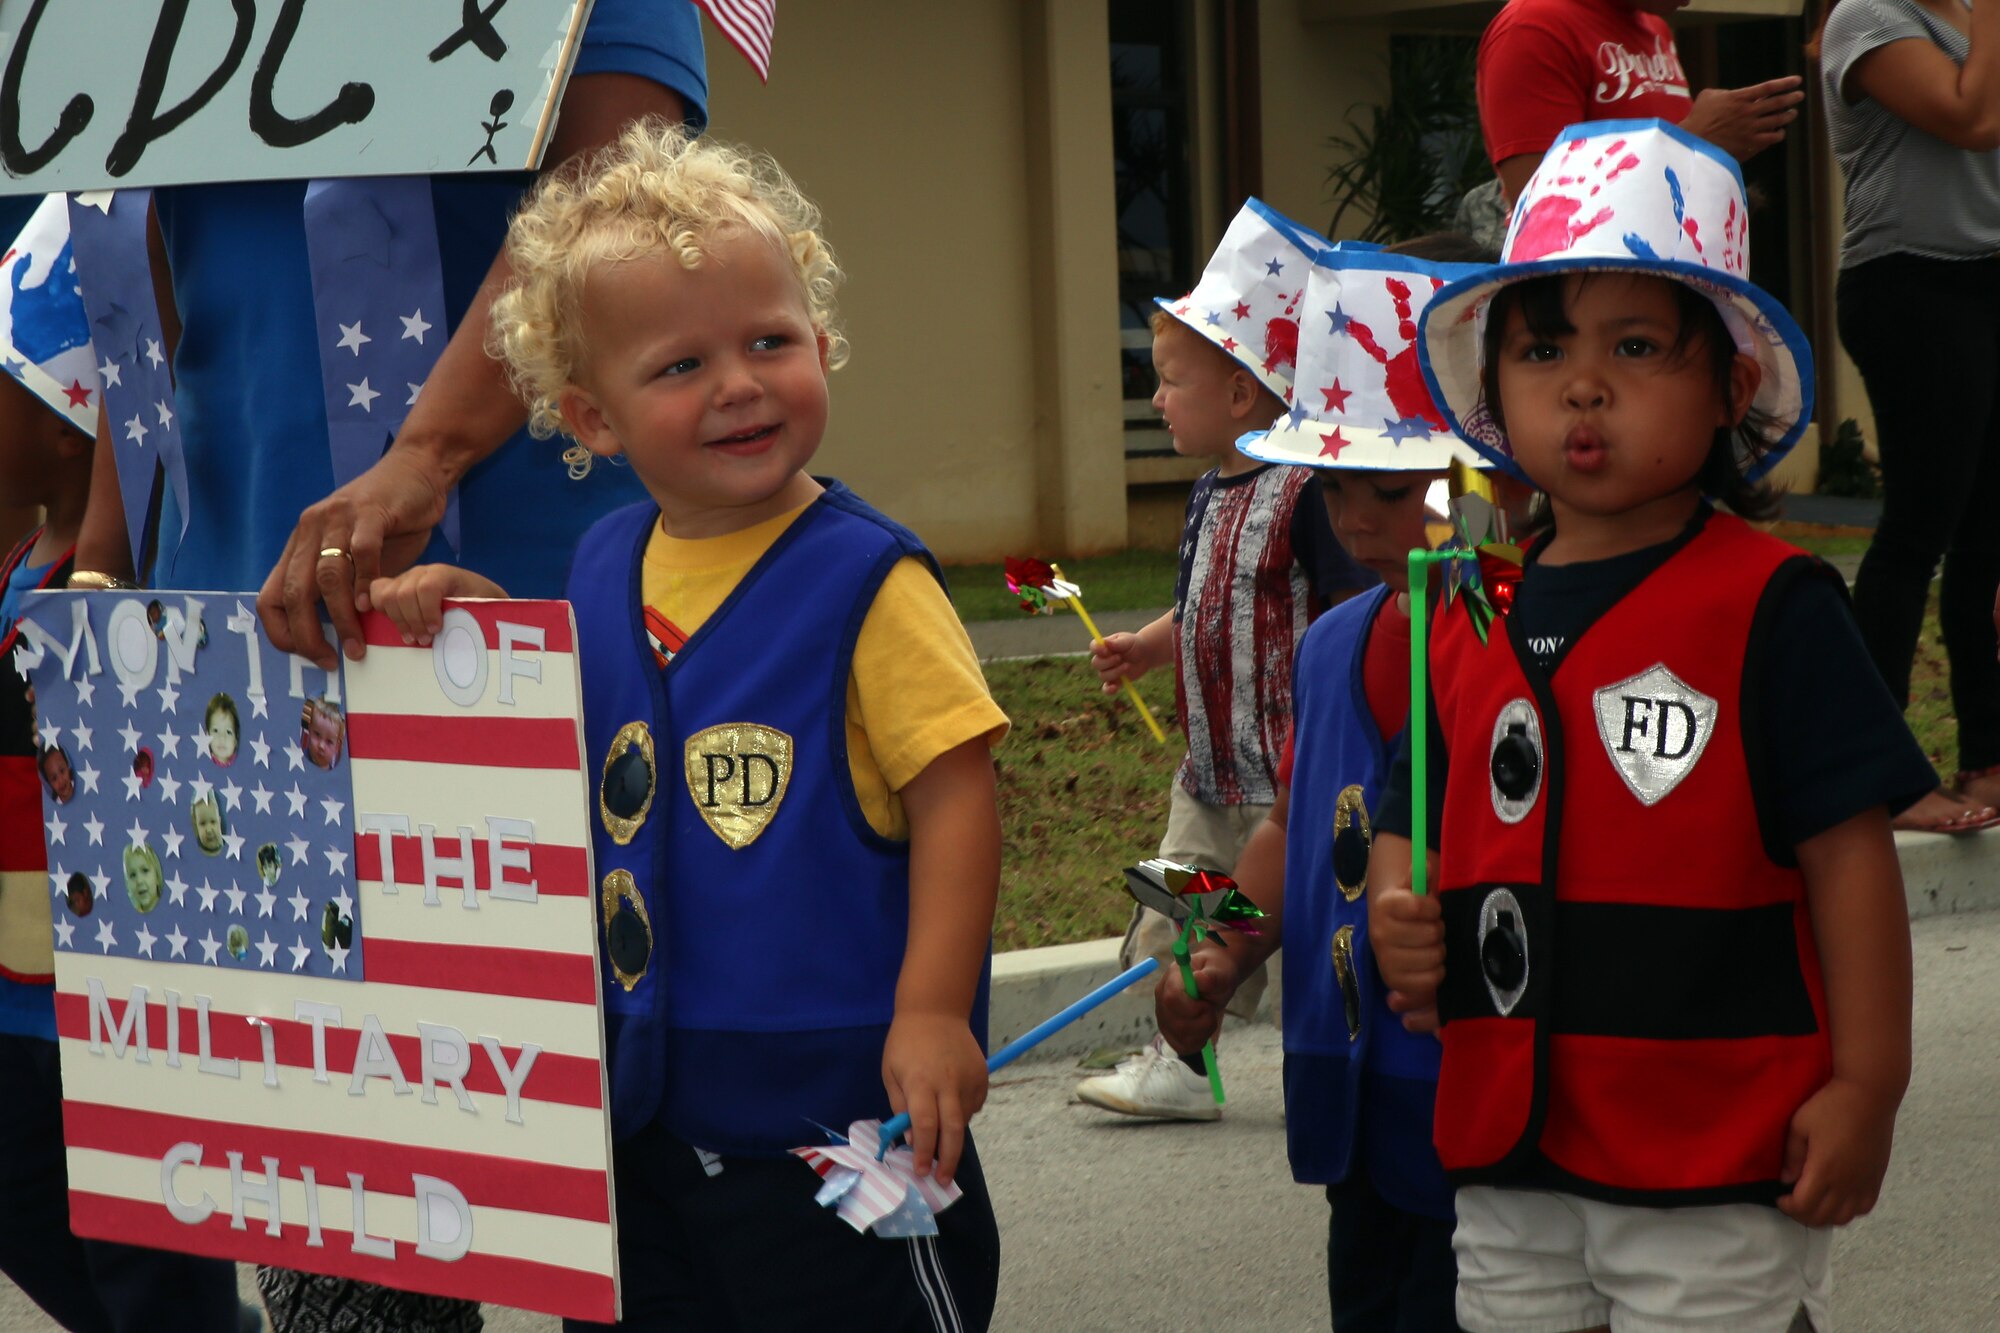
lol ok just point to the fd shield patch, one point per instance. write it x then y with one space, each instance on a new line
737 774
1655 727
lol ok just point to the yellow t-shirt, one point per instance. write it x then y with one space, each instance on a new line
914 691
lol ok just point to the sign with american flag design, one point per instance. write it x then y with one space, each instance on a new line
326 962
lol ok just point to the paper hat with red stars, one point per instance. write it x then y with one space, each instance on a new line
44 334
1247 302
1361 398
1626 196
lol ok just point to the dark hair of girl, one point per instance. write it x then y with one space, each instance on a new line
1702 333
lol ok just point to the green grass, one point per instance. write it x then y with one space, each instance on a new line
1083 794
1824 542
1127 581
1929 714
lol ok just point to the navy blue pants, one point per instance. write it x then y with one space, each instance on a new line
1387 1271
748 1248
92 1286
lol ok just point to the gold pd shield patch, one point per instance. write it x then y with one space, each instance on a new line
737 774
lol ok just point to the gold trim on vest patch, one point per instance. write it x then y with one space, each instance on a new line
1350 980
737 774
628 929
1353 836
621 803
1654 726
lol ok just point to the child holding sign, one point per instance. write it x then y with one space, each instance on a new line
83 1284
1668 943
796 835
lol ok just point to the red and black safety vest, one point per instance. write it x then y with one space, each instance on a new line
1633 1006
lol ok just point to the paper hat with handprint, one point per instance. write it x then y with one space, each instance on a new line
1361 397
1626 196
44 335
1247 302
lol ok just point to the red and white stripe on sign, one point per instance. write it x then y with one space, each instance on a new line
458 979
748 24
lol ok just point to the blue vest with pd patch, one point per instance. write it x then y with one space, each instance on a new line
762 1009
1354 1078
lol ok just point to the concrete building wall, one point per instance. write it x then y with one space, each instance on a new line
966 177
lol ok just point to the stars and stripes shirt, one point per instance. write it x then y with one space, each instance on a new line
1258 560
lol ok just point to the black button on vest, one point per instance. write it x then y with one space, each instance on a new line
628 940
1502 956
1515 763
627 781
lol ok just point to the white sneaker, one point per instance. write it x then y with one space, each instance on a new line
1155 1083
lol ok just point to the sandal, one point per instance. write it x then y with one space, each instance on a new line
1966 818
1967 776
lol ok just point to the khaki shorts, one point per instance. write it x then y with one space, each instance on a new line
1530 1261
1208 837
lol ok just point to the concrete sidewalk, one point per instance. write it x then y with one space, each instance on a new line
1114 1224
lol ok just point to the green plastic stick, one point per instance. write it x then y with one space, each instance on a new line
1420 750
1187 979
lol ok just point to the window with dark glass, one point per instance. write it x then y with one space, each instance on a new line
1151 89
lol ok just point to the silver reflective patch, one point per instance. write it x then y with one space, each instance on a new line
1655 727
1515 761
1503 949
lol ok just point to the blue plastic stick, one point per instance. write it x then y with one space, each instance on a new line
894 1127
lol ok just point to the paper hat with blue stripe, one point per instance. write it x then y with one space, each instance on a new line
1361 399
1626 196
1247 302
44 334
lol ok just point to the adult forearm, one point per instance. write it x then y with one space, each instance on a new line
467 409
1979 76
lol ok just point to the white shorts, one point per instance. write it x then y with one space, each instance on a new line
1535 1262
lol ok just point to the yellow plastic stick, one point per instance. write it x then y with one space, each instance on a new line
1132 691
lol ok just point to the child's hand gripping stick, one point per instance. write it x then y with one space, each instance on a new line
894 1127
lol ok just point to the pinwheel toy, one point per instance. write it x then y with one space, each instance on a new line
1040 586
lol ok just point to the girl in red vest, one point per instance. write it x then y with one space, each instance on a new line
1667 950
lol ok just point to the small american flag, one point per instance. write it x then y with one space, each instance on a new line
432 1121
748 24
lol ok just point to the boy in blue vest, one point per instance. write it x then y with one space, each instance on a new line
1257 562
1358 1086
797 832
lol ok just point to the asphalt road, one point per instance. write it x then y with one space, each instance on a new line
1113 1224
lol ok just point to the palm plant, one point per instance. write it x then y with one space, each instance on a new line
1406 165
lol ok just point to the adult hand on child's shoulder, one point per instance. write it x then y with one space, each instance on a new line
933 1069
1837 1153
1190 1021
